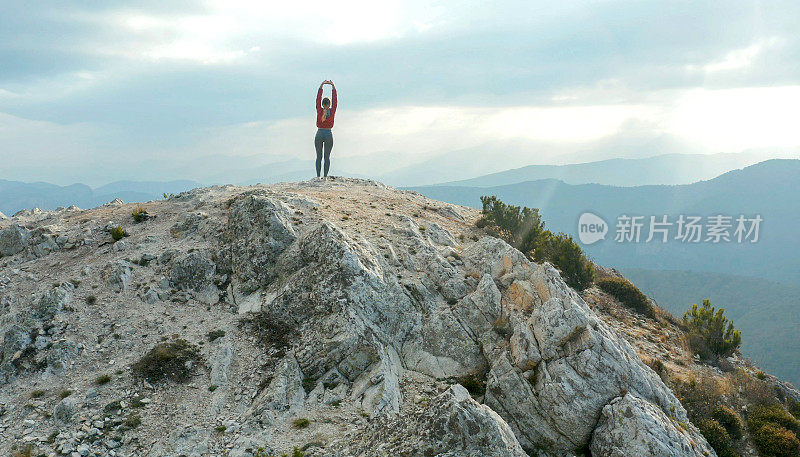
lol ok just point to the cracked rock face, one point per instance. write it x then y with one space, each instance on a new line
452 425
551 365
630 426
368 326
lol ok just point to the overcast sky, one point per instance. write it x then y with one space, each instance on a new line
93 91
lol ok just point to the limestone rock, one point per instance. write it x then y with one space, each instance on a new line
453 425
195 272
632 426
439 235
261 230
13 240
65 410
283 394
119 276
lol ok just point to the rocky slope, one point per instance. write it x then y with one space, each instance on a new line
334 318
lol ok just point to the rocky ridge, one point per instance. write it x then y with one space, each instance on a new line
336 317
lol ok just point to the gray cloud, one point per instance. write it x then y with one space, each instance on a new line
57 66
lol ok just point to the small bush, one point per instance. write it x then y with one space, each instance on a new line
710 325
627 294
136 402
568 257
715 434
173 360
794 408
298 453
212 387
301 423
730 420
37 393
214 334
103 379
91 300
772 440
64 393
272 331
774 414
698 396
25 451
661 370
523 228
139 214
117 233
131 422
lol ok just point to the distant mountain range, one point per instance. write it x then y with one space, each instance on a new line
769 188
15 195
767 313
662 169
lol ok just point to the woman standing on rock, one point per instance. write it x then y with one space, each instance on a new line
324 139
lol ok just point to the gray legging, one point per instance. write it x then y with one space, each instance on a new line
324 139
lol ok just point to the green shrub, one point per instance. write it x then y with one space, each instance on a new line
301 422
91 300
117 233
103 379
523 228
772 440
174 360
774 414
37 393
794 408
730 420
518 226
131 422
627 294
64 393
567 256
718 334
139 214
214 334
715 434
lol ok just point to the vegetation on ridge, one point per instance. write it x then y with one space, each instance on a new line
523 228
710 332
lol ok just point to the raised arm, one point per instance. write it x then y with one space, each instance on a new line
319 97
334 101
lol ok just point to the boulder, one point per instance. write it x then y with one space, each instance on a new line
284 394
195 272
439 235
13 240
65 410
632 426
118 276
453 425
560 365
261 230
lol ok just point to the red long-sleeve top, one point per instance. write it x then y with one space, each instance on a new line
325 123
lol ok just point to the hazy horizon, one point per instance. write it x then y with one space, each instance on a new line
101 92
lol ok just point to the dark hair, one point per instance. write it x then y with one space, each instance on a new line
326 101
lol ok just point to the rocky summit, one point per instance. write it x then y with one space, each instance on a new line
322 318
